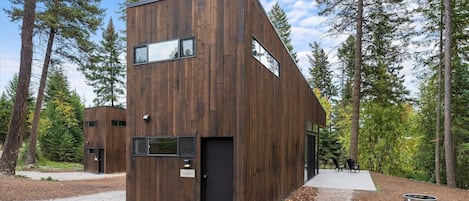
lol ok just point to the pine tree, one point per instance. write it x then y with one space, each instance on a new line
280 21
68 25
346 55
13 139
5 113
104 71
320 71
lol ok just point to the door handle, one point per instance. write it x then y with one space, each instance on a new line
204 177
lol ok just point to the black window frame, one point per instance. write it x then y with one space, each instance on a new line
119 123
91 123
179 54
268 56
179 153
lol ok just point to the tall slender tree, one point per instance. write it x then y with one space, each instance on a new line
356 83
346 56
68 25
448 141
104 71
280 21
13 139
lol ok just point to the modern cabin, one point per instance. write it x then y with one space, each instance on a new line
217 109
104 140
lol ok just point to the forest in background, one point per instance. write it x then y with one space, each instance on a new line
398 134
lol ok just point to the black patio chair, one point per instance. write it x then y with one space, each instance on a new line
353 165
338 166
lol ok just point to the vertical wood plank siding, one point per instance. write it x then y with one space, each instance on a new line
221 92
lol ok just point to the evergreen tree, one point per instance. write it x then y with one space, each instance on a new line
63 138
320 71
104 71
346 55
68 25
280 21
13 139
5 113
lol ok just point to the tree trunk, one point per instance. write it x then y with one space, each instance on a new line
14 136
449 151
356 84
31 159
438 107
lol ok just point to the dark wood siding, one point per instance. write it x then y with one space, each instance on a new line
221 92
105 136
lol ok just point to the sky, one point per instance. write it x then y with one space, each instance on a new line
306 27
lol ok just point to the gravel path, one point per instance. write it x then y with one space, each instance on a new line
331 194
63 176
111 195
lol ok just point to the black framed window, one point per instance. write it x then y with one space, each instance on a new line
140 146
163 146
187 47
141 54
265 58
187 146
91 123
118 123
164 51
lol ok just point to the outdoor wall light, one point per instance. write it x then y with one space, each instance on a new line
187 163
146 118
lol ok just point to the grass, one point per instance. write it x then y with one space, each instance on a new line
45 165
48 179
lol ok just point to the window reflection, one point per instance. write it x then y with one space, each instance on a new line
163 51
266 59
187 47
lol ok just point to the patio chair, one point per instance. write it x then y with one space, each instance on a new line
338 166
353 165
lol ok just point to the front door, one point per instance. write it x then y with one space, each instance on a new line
101 161
217 169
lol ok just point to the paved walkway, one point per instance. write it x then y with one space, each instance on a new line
342 180
62 176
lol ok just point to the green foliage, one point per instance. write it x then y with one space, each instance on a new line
104 70
49 178
329 145
321 72
346 55
280 21
61 134
6 107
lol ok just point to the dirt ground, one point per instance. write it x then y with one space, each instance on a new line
389 189
17 188
393 188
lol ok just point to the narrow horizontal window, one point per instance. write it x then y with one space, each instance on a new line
91 123
163 146
118 123
265 58
164 51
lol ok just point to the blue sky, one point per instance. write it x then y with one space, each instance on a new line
307 27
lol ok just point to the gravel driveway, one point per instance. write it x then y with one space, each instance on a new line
106 196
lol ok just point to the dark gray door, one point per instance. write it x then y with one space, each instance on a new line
217 169
101 161
311 156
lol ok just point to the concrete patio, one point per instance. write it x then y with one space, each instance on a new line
328 178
